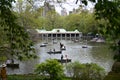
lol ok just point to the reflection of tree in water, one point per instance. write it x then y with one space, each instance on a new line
102 53
117 53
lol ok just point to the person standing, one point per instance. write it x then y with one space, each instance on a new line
61 45
3 73
61 58
66 58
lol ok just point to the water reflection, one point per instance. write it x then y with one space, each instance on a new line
95 53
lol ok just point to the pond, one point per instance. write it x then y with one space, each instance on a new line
98 53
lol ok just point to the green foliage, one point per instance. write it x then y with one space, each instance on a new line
84 22
3 58
109 10
30 77
113 76
51 68
25 77
52 20
17 42
88 71
28 17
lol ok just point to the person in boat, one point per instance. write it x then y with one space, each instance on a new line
61 57
12 61
53 50
66 58
3 72
8 61
61 45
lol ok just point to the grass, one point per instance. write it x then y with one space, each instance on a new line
29 77
24 77
113 76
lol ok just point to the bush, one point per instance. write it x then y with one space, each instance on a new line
51 68
86 71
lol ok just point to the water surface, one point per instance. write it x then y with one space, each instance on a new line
95 53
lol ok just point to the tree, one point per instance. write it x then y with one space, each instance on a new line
28 16
84 22
52 68
51 17
109 11
17 42
88 71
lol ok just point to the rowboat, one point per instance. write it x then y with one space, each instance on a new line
43 45
64 60
13 65
54 52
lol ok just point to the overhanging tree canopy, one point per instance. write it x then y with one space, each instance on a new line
17 42
109 10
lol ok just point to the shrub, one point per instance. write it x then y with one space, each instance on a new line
51 68
88 71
